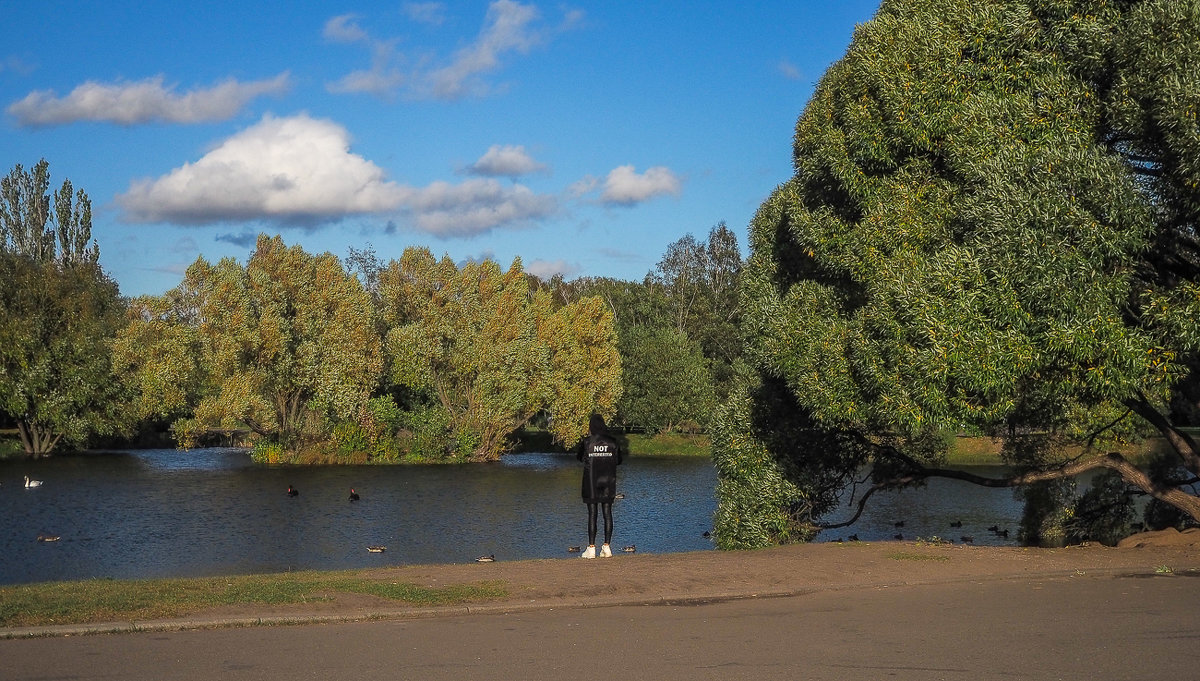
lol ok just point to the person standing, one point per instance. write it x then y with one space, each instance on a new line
600 455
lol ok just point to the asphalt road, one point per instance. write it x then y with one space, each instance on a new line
1100 628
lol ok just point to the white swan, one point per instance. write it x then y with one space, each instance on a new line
30 484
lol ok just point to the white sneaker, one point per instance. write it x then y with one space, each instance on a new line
589 552
605 552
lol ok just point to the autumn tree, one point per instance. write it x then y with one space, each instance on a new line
282 346
991 227
58 312
488 353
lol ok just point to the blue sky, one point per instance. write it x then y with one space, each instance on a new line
583 138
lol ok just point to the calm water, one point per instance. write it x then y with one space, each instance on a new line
168 513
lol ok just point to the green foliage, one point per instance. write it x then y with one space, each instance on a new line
27 219
60 311
1103 513
265 451
1047 512
667 381
283 346
756 499
486 354
991 227
55 369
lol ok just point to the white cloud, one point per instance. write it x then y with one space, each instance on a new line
383 78
475 207
545 269
506 29
299 170
142 102
505 161
344 28
625 187
433 13
288 169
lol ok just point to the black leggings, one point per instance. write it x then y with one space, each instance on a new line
608 521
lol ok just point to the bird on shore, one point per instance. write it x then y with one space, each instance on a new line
30 484
898 536
353 495
854 537
967 539
292 491
376 549
486 559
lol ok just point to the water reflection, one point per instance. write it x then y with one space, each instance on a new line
160 513
165 513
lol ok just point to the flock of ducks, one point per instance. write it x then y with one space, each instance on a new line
966 538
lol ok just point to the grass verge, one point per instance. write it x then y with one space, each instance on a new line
108 600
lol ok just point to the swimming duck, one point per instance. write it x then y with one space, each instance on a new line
30 484
956 523
48 537
292 491
629 549
353 495
377 549
620 495
573 549
486 559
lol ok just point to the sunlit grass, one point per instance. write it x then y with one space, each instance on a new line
105 600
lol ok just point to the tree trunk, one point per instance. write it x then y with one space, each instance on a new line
38 442
1169 494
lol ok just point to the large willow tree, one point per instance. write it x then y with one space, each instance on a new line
489 354
991 227
280 346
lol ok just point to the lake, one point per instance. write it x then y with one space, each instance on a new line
171 513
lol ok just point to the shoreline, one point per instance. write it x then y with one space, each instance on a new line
688 578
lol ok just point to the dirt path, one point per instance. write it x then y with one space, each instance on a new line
707 576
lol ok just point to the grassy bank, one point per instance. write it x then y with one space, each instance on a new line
107 600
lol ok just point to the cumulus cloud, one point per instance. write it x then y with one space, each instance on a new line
625 187
300 171
296 169
474 207
505 161
142 101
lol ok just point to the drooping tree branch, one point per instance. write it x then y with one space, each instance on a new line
1168 493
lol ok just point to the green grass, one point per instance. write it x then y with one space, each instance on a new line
107 600
669 444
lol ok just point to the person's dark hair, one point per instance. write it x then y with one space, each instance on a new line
596 425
